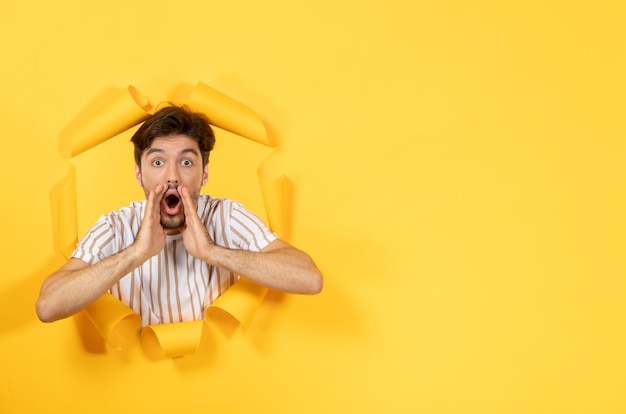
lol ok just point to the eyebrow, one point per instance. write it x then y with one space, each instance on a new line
181 152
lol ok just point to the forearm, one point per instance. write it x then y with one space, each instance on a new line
77 284
285 268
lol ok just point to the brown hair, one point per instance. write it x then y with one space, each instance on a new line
175 120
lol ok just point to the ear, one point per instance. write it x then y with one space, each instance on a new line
205 175
138 175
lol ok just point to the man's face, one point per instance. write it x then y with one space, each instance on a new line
172 161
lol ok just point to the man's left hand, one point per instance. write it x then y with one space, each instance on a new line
195 236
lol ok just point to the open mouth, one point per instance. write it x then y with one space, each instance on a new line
171 203
172 200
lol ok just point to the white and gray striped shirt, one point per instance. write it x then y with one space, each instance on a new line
174 286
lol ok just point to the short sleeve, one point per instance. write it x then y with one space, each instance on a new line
94 245
248 231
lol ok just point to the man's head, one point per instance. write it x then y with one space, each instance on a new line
172 149
175 120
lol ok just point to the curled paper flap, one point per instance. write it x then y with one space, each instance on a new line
241 301
125 110
65 225
118 324
275 197
276 190
173 339
227 113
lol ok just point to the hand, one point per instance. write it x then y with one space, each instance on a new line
151 236
195 236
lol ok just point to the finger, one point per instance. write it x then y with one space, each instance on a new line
187 201
190 208
154 197
159 190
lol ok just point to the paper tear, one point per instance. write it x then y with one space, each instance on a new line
63 205
276 190
241 301
117 323
227 113
125 110
172 340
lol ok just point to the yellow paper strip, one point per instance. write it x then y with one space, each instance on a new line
118 324
173 339
65 224
227 113
276 190
241 301
125 110
275 194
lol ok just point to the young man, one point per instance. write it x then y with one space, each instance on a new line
170 256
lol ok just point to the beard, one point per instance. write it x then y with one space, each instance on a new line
172 222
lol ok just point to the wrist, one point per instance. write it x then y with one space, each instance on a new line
136 256
212 254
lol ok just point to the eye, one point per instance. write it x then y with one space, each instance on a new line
187 162
157 162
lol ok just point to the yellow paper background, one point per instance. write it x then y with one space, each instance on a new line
457 174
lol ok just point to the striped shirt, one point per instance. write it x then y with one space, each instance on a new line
174 286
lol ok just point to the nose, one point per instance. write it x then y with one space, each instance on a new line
172 175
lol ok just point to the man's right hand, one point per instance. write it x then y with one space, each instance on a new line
151 237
